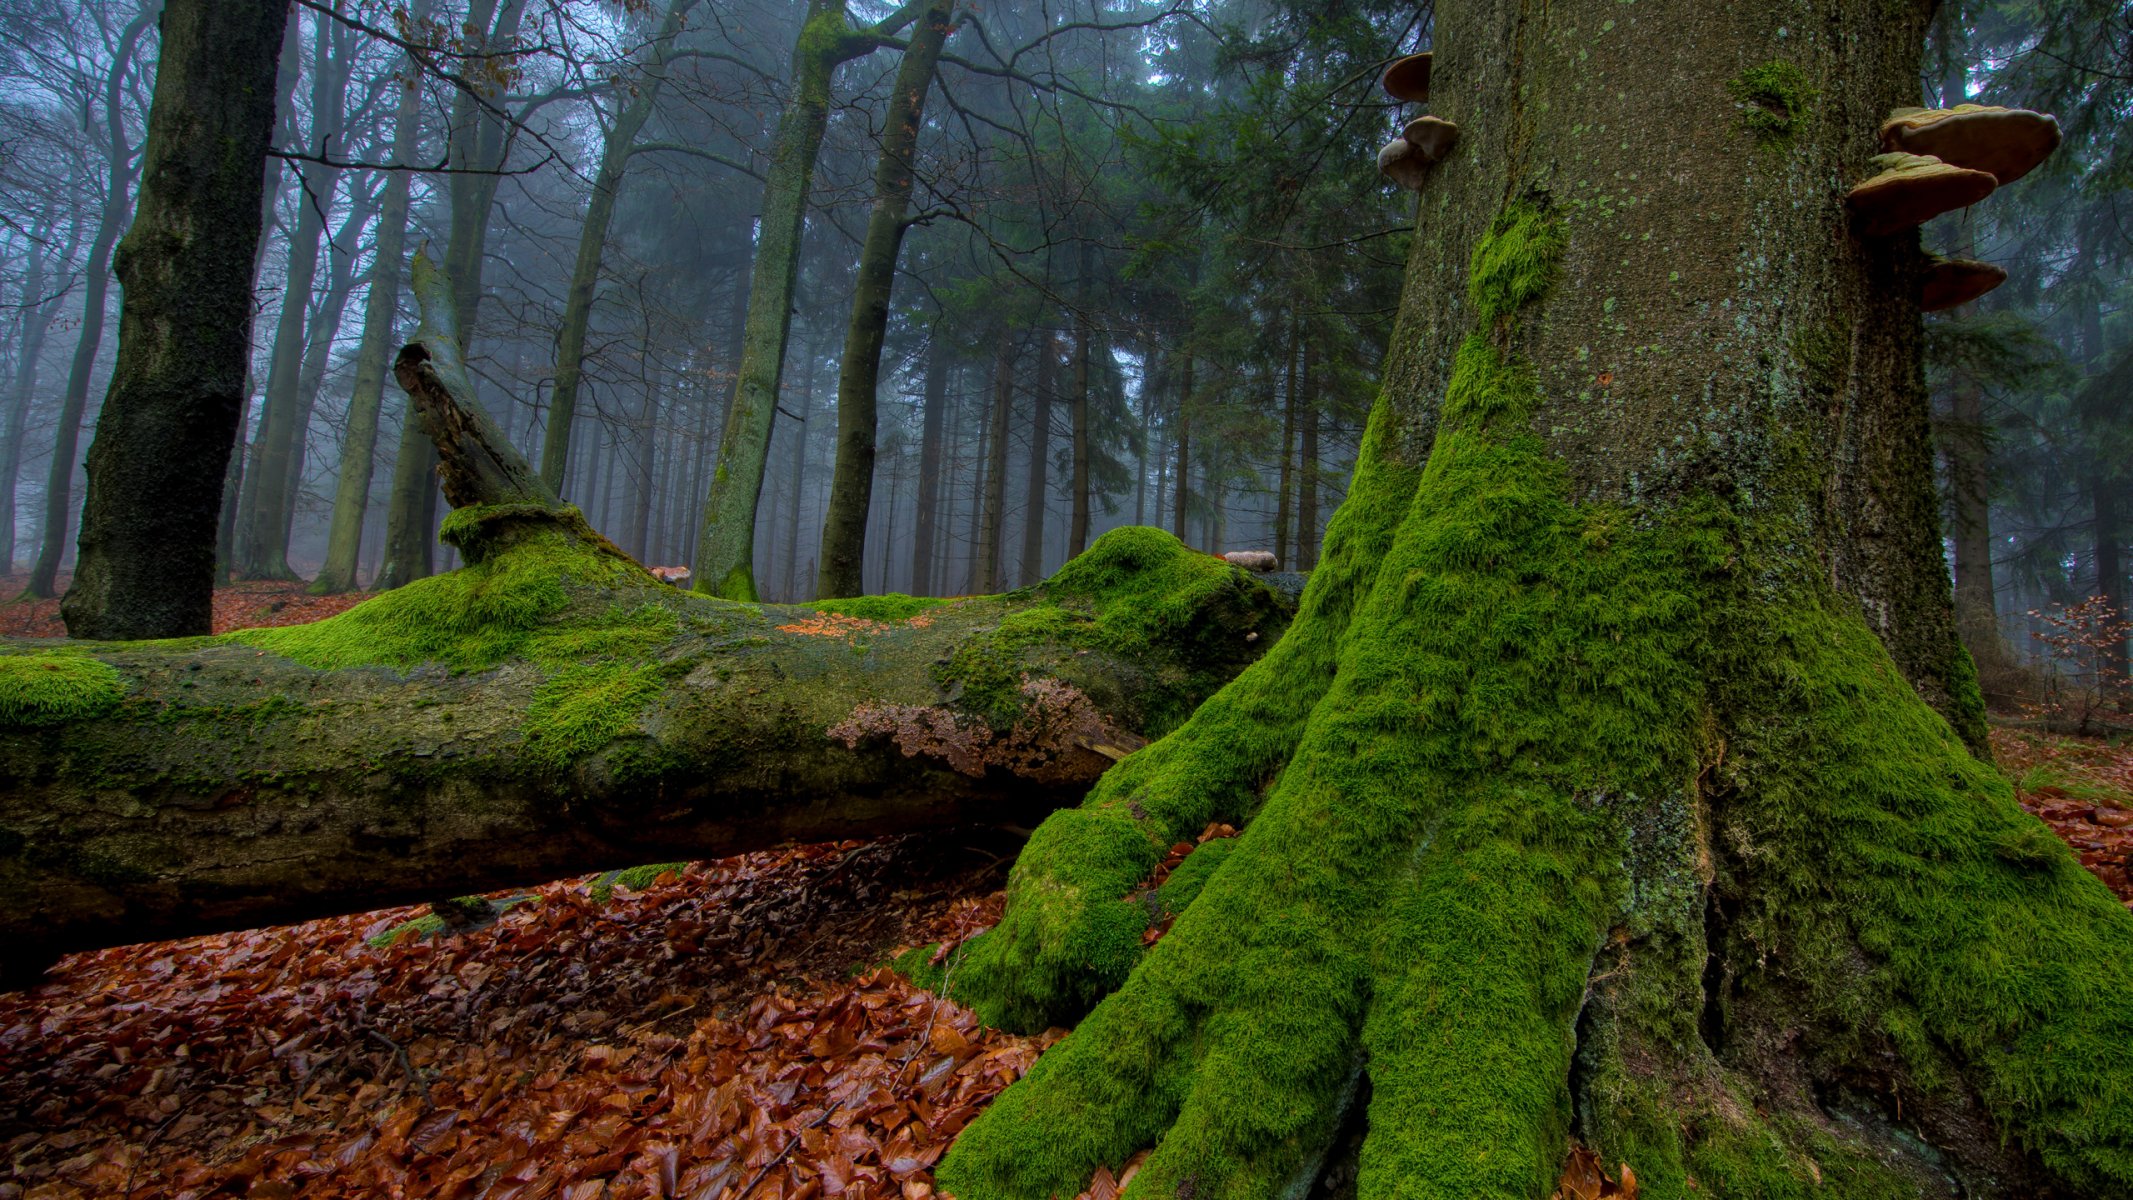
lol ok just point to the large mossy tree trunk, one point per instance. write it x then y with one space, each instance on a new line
1581 798
156 466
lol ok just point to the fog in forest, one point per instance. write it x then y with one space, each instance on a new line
1147 276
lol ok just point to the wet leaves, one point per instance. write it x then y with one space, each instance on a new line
2083 789
237 606
572 1049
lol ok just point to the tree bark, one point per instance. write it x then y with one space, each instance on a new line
38 313
1582 799
986 575
1307 485
1969 450
1285 489
1078 519
147 564
265 510
96 284
844 524
1183 445
1037 492
932 431
381 307
615 152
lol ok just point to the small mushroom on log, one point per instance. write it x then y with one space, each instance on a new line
1911 190
1260 561
1407 78
1407 159
1953 281
2006 143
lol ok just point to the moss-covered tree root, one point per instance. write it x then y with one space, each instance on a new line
551 709
1594 819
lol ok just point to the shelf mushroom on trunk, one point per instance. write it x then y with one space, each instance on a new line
2006 143
1911 190
1425 142
1953 281
1408 78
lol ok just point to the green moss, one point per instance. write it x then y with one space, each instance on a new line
515 603
1191 876
893 606
636 879
1772 97
585 706
55 688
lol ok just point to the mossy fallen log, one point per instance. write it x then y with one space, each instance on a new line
552 709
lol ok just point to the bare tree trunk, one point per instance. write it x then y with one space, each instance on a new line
96 283
931 433
1307 501
1184 445
1286 488
381 306
615 151
38 313
844 524
1037 492
147 567
1078 521
985 571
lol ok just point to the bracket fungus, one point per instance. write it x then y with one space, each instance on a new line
2007 143
1407 78
1425 142
1953 281
1911 190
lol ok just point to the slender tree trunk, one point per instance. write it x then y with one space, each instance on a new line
932 431
381 306
1183 446
1140 444
1286 489
1969 451
1307 499
985 572
1037 493
844 524
96 282
796 485
1078 522
2110 572
147 566
37 316
620 143
645 451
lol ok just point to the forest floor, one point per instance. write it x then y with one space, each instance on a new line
726 1030
237 606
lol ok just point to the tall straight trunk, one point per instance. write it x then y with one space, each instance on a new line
1078 521
1307 498
1285 490
38 313
381 306
266 511
844 524
1969 452
615 151
1183 446
2110 571
985 569
96 284
932 431
318 353
1140 444
1037 492
478 141
147 566
644 449
796 489
975 409
725 555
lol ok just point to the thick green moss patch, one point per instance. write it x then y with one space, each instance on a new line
583 707
891 606
1772 97
52 689
516 603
